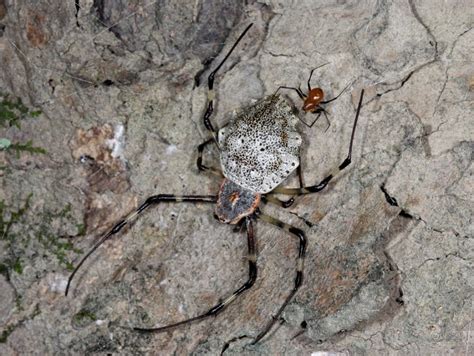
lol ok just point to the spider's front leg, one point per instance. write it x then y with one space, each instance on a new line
210 84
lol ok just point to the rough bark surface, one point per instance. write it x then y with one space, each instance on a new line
121 87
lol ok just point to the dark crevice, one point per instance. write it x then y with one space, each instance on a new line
206 64
433 42
105 17
402 83
78 7
399 299
393 202
237 338
404 214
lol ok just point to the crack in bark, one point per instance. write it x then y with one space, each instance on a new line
417 16
234 339
435 58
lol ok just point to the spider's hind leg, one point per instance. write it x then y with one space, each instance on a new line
252 258
299 269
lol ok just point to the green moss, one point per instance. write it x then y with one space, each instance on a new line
18 302
5 334
25 147
81 229
83 318
10 217
85 314
12 112
19 234
9 329
17 267
56 245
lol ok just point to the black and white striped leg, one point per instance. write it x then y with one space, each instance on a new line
199 163
270 198
153 200
210 83
299 269
252 258
200 149
321 185
274 200
299 171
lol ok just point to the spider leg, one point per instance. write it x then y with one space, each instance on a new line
311 74
299 269
320 110
210 83
252 257
274 200
327 119
337 96
298 91
269 198
203 167
200 149
299 171
153 200
321 185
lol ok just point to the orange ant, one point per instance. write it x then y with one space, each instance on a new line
314 99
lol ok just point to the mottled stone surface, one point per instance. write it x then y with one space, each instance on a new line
121 90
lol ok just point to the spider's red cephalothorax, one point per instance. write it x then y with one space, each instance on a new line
314 97
313 101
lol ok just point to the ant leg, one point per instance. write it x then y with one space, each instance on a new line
153 200
210 83
298 91
337 96
299 269
252 257
311 74
321 185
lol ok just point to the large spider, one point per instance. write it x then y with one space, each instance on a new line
259 149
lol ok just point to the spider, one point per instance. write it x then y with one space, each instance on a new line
259 149
314 99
